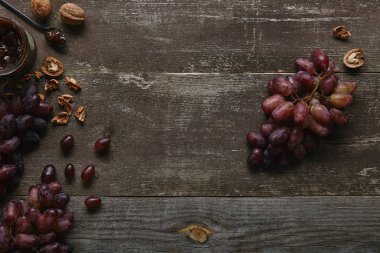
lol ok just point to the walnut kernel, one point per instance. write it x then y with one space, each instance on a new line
64 98
341 33
81 114
52 85
61 118
72 83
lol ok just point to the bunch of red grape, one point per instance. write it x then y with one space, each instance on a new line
23 119
302 107
39 223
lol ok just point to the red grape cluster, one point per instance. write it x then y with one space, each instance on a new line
23 119
302 107
39 223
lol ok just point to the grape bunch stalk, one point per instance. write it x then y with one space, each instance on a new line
302 108
39 223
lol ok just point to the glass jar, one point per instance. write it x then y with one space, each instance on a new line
17 49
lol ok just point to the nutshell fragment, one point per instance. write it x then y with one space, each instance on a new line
354 58
341 33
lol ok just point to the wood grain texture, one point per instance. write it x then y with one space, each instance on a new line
298 224
214 36
184 135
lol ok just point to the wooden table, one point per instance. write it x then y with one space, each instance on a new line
178 84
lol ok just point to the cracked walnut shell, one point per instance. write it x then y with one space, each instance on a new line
52 67
354 58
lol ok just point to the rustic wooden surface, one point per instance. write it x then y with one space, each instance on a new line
178 84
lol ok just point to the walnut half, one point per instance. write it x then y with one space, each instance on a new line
81 114
53 84
62 118
52 67
354 58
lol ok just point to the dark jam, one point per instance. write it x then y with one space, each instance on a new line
55 37
11 48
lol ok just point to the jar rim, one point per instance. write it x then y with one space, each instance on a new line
15 25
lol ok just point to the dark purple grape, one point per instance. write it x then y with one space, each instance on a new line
283 112
55 187
267 129
30 139
88 173
321 114
23 225
39 125
7 126
10 214
16 106
328 85
255 158
30 103
65 248
45 196
305 80
62 225
95 202
320 60
102 145
5 239
279 136
7 171
293 81
46 221
24 122
67 143
69 214
25 241
271 103
302 64
282 87
48 174
296 136
43 109
301 114
256 140
340 100
70 171
60 200
338 117
34 215
23 207
9 146
346 88
50 248
317 128
47 238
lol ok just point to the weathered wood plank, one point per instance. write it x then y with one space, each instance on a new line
298 224
184 134
214 36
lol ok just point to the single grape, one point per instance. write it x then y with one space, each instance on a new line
34 215
10 214
30 103
340 101
321 114
23 207
267 129
293 81
283 112
24 122
296 136
5 239
69 171
88 173
47 238
255 158
9 146
62 225
302 64
346 88
45 196
279 136
48 174
26 241
338 117
328 86
30 140
317 128
102 145
301 114
43 109
306 80
7 126
67 143
271 103
60 200
23 225
320 60
256 140
55 187
7 171
95 202
51 248
46 221
282 87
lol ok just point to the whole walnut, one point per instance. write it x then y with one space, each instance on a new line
72 14
41 8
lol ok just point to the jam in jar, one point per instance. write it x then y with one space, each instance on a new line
17 48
